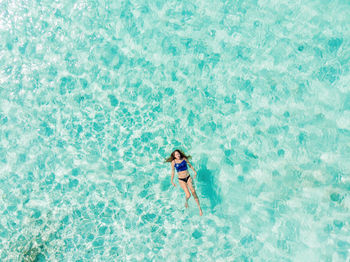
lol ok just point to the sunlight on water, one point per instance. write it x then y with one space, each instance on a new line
95 95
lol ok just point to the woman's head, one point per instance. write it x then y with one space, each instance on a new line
177 154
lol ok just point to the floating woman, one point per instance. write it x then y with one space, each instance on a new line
179 161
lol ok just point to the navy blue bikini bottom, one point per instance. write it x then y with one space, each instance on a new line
185 179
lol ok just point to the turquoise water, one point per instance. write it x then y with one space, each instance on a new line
94 95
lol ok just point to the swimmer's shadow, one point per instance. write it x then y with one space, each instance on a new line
208 187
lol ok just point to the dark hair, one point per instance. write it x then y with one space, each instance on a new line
172 155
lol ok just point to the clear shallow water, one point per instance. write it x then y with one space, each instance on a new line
95 95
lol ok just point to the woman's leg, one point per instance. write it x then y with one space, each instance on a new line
184 187
190 185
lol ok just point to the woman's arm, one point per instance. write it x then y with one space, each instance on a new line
172 172
188 162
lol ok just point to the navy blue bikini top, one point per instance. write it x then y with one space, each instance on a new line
181 166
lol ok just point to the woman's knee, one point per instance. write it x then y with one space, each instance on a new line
188 196
194 194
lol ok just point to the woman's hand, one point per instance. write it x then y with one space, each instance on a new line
195 174
173 183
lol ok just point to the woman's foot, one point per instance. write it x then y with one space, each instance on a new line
186 204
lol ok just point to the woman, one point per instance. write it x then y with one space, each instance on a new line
179 161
